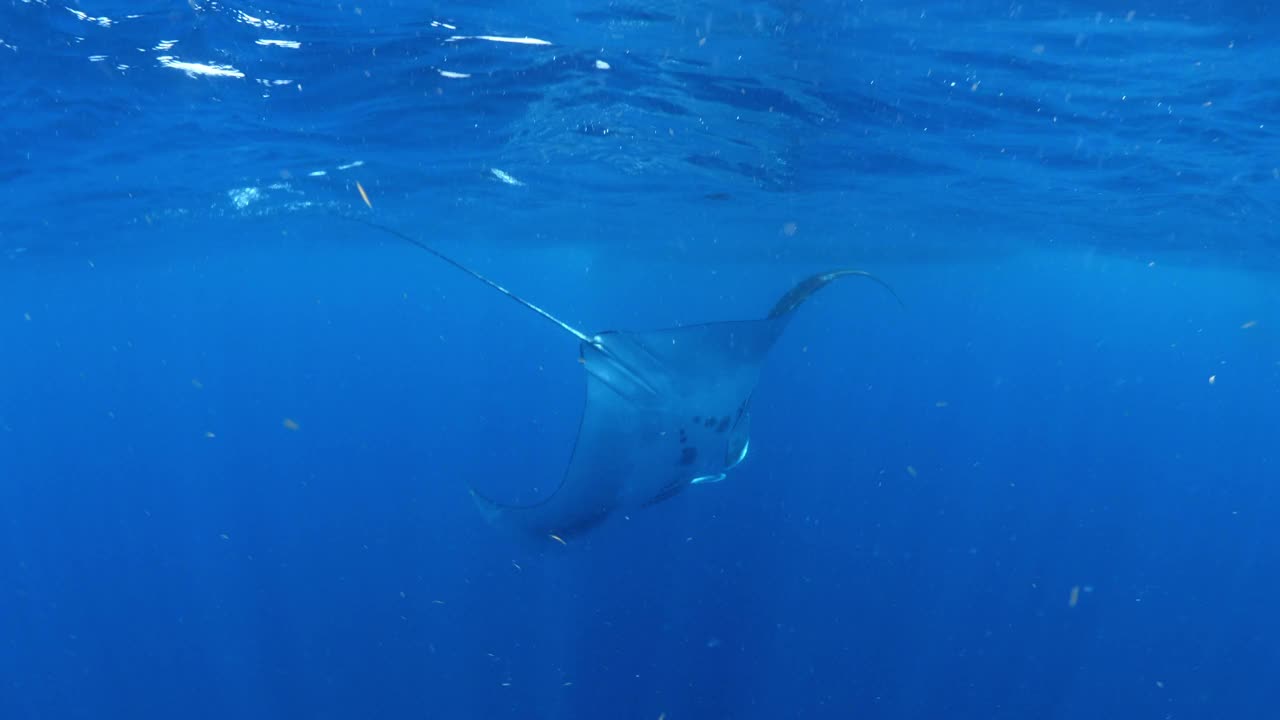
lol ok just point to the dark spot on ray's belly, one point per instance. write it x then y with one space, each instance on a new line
684 438
669 491
688 455
708 422
697 419
724 424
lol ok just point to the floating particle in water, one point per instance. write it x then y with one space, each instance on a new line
505 177
241 198
557 538
602 65
499 39
364 195
1213 379
290 424
911 470
1248 325
1075 596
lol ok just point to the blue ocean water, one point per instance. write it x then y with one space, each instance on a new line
236 433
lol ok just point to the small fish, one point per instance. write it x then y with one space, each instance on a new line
557 538
364 195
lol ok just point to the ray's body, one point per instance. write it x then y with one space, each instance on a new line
665 409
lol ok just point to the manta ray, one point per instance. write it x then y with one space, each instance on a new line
665 409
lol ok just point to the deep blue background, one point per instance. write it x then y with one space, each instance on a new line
1076 204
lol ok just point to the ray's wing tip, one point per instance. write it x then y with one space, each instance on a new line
873 278
489 509
812 284
510 518
821 279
